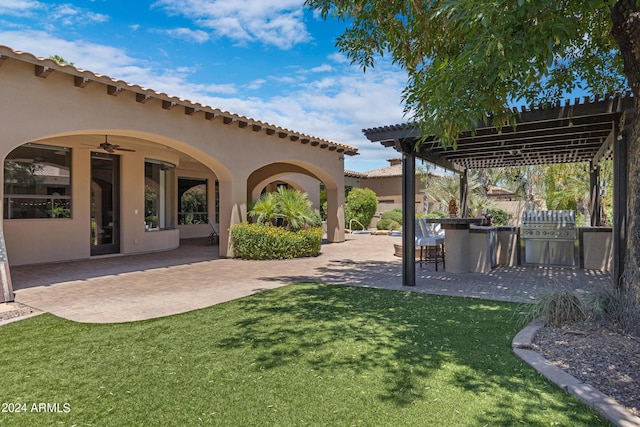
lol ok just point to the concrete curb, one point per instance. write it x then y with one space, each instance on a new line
605 405
17 319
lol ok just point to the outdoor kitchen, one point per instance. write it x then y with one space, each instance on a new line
590 132
548 238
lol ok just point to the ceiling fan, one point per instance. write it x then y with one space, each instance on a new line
110 148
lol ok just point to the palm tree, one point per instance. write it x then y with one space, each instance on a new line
295 208
445 188
265 210
291 205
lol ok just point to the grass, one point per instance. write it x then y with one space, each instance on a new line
306 354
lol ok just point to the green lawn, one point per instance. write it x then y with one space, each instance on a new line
304 354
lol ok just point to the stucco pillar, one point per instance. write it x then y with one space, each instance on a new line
233 210
5 275
335 214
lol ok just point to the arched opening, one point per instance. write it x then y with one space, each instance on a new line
308 177
72 196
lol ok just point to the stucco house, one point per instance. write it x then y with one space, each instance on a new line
95 166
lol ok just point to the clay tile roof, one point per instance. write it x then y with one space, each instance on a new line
44 66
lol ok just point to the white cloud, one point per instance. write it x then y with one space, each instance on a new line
224 89
324 68
339 58
20 7
256 84
197 36
66 14
276 23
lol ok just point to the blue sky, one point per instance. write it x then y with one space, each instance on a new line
272 60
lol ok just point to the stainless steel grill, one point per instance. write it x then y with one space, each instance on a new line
549 237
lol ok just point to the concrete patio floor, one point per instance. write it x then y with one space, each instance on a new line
137 287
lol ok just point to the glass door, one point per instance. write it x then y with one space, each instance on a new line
105 204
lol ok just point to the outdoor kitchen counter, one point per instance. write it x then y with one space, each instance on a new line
457 242
596 247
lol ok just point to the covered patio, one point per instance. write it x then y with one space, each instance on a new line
588 130
95 166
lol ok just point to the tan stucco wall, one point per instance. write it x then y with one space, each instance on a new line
52 110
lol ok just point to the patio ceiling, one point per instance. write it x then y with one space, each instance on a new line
573 132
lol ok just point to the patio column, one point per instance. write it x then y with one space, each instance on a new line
620 202
595 198
335 213
233 210
408 217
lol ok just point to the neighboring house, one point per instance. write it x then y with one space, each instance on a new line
500 194
387 184
95 166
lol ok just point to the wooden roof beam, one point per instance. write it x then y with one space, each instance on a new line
142 98
43 71
168 105
114 90
605 150
80 81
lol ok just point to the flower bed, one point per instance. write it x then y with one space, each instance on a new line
262 241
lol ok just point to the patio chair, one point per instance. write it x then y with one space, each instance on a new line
214 236
431 243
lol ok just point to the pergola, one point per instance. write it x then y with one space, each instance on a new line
594 130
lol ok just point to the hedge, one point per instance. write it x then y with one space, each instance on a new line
393 215
262 241
388 224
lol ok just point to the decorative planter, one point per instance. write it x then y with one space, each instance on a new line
398 250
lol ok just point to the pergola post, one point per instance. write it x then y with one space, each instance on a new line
595 198
464 193
408 217
620 200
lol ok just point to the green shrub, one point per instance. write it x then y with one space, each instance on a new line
393 215
361 205
388 224
499 216
436 214
263 241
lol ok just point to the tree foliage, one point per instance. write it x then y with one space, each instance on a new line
467 60
361 205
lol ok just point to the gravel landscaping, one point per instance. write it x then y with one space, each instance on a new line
597 355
